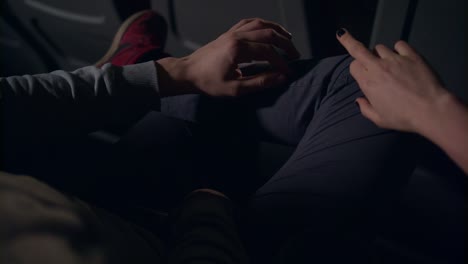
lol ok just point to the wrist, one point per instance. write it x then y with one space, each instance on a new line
448 129
435 113
173 77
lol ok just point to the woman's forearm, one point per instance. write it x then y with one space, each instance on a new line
448 129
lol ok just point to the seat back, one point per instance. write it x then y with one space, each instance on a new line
15 52
435 28
195 23
74 33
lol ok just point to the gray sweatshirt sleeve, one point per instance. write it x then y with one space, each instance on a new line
82 100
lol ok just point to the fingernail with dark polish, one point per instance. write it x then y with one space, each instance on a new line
357 104
340 32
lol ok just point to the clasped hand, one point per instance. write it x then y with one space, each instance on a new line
213 69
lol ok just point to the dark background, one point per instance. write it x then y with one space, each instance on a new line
426 224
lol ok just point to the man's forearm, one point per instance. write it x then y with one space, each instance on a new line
85 98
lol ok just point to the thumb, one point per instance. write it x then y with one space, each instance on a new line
261 81
367 110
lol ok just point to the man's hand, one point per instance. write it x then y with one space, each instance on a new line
401 90
213 69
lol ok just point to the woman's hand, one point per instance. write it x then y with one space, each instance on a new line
403 93
213 69
401 90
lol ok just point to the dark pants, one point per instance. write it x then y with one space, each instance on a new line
343 167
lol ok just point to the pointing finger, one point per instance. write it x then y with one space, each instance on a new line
355 48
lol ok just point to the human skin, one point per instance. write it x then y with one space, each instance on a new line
403 93
213 69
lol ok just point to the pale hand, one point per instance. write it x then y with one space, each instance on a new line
213 69
402 92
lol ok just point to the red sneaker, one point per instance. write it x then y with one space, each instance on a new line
140 38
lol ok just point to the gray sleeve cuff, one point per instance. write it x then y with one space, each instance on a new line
143 77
